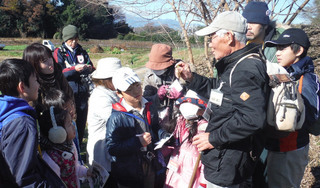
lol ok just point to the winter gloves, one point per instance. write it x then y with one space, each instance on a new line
171 93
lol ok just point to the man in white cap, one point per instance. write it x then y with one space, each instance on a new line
236 109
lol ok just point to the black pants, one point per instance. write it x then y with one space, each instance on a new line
111 182
81 101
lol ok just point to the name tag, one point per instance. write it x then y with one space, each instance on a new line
216 97
80 58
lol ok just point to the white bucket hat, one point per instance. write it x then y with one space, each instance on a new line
106 68
123 78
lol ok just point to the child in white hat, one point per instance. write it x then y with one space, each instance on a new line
100 107
131 133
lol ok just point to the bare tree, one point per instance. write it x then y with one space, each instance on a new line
191 12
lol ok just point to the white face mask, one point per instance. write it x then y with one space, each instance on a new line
189 110
159 72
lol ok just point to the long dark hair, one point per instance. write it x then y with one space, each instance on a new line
193 129
171 125
35 53
45 120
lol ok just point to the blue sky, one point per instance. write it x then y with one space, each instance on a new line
135 21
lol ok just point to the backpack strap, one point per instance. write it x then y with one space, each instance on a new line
252 55
148 113
300 84
62 51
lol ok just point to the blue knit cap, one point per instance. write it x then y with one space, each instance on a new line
257 12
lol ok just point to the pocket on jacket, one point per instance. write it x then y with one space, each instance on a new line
127 169
230 167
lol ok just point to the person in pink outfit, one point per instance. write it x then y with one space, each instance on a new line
184 161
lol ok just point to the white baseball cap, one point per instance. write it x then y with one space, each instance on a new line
123 78
228 20
106 68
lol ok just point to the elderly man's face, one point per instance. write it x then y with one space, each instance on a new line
73 42
256 32
219 45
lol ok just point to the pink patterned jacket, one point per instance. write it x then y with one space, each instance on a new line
183 159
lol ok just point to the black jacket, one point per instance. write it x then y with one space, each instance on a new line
234 126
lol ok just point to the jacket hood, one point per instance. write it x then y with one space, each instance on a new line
10 105
301 67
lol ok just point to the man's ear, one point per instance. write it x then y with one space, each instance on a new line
20 87
21 90
231 38
301 49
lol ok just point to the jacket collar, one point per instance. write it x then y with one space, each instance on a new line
66 46
122 106
297 69
235 56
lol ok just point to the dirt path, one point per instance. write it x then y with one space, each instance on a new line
140 72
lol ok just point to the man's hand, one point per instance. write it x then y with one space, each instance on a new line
201 141
145 138
89 67
183 70
80 67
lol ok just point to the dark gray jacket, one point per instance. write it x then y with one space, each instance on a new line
235 126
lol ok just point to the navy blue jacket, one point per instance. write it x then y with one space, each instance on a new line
68 60
310 94
20 162
124 146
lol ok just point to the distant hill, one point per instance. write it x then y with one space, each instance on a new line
135 21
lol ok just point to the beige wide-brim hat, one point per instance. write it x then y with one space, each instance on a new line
160 57
106 68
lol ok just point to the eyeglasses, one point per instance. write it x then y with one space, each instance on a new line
211 37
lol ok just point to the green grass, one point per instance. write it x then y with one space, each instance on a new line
15 47
132 57
15 51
